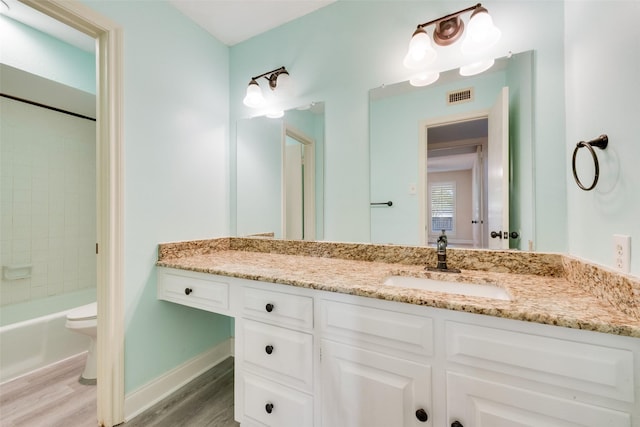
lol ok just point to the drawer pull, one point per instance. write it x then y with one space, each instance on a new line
269 307
187 291
456 424
422 415
269 349
268 407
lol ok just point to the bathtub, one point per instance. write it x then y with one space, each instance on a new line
35 343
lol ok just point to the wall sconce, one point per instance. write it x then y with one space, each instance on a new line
277 78
481 35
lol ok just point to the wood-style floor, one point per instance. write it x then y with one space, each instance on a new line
53 397
49 397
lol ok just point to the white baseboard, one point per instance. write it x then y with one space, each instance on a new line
149 394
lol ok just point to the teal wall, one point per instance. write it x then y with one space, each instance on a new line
175 136
338 53
602 93
47 57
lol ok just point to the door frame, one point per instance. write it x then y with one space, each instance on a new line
423 126
110 182
309 184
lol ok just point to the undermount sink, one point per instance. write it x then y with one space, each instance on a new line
468 289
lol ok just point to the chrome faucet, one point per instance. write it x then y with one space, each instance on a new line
441 245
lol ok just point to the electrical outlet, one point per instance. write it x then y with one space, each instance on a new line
621 252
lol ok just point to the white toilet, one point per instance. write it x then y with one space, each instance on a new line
84 320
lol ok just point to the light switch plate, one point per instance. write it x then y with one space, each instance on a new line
621 252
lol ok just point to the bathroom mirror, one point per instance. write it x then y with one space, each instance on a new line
280 175
430 157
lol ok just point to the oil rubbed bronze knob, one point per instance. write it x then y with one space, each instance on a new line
187 291
422 415
269 349
268 407
456 424
269 307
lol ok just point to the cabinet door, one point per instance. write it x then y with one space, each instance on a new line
479 403
369 389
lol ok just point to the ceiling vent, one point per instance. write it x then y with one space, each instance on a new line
460 96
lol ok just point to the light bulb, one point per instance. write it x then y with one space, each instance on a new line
481 32
425 78
421 53
254 97
476 67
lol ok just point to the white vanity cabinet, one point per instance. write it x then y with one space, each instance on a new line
520 374
274 357
313 358
375 366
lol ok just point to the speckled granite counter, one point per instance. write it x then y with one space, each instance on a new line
545 288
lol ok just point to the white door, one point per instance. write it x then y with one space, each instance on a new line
293 181
475 402
366 389
476 202
498 173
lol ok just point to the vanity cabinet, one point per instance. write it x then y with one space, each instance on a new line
505 377
314 358
375 367
274 357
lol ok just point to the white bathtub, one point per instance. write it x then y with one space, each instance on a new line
32 344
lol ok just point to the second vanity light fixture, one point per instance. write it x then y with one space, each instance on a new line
481 35
278 78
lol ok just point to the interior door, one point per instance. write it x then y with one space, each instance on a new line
476 199
294 196
498 173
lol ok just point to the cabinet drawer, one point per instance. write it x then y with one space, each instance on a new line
396 331
274 405
477 402
279 353
193 289
578 366
284 309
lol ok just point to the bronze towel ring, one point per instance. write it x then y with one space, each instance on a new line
601 142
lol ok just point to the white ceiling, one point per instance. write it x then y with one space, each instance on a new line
234 21
230 21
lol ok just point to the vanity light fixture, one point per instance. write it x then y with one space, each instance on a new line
278 78
481 35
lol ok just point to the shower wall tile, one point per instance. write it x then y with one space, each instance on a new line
47 201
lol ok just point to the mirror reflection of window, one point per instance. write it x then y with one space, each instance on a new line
443 207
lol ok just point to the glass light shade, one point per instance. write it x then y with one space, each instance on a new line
283 83
476 67
254 97
421 53
481 33
425 78
275 114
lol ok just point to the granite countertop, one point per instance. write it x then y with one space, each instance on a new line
560 295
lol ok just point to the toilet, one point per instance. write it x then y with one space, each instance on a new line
84 320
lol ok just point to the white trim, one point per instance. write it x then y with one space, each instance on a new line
110 219
161 387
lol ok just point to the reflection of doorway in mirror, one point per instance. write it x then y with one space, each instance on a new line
298 186
455 189
457 143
